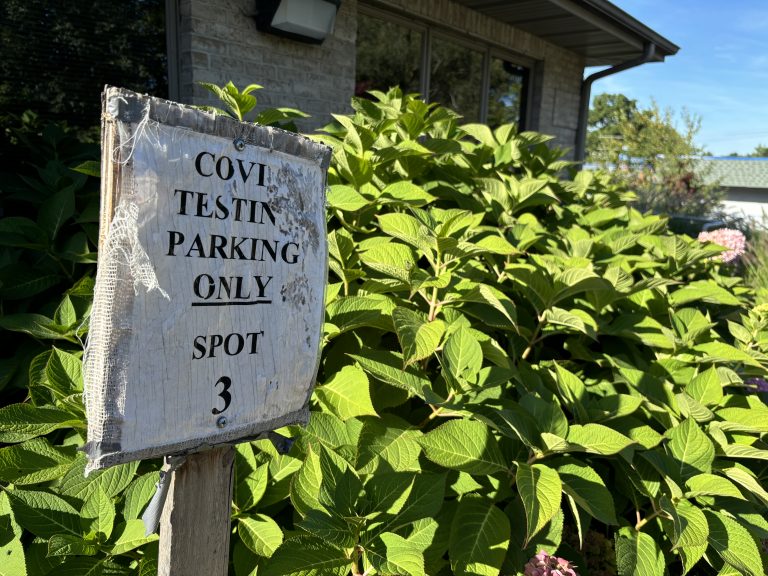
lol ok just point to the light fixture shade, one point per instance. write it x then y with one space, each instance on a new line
304 20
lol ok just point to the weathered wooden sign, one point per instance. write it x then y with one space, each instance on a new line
208 304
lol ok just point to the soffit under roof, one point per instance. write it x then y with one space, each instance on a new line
596 29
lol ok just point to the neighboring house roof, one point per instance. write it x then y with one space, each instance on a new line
596 29
732 172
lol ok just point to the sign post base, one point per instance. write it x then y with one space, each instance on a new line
195 524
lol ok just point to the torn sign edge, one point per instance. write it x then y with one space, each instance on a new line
125 118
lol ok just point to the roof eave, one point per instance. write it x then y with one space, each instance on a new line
664 47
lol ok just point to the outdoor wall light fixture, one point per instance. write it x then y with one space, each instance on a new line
303 20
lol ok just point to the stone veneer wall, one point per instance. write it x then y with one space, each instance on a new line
218 42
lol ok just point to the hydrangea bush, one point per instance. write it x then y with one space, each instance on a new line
544 564
733 240
513 359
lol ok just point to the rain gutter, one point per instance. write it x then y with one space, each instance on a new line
649 51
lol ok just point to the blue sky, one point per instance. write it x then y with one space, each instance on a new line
720 73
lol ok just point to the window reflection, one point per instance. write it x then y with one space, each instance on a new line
388 54
506 94
392 53
455 80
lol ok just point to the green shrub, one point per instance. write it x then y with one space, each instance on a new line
755 262
512 362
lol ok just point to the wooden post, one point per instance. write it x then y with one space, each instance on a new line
195 524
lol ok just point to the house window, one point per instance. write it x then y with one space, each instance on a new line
456 77
477 80
388 55
507 92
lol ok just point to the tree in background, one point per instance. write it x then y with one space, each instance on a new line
760 151
644 148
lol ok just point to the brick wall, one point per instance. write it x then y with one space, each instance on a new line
219 42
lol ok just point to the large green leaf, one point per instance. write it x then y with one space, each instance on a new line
89 566
706 387
138 494
638 554
587 489
725 353
64 372
576 320
129 536
598 439
112 480
34 461
393 555
97 515
548 415
36 325
347 394
345 198
409 230
711 485
340 486
306 556
704 290
391 259
419 337
513 422
352 312
20 422
251 487
69 545
540 489
43 514
734 544
324 429
398 499
691 531
462 355
692 449
748 481
260 534
407 193
388 367
330 527
464 445
479 537
11 548
744 419
305 484
388 439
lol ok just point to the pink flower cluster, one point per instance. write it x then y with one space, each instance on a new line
734 240
544 564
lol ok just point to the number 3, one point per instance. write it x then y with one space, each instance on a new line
224 394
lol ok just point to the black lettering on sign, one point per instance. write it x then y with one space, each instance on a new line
231 344
225 168
226 382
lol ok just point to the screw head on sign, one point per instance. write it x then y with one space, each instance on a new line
221 421
239 144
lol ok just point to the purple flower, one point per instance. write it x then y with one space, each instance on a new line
734 240
757 384
544 564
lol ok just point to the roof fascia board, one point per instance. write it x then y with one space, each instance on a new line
648 34
618 23
594 19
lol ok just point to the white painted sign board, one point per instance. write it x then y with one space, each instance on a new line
209 297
